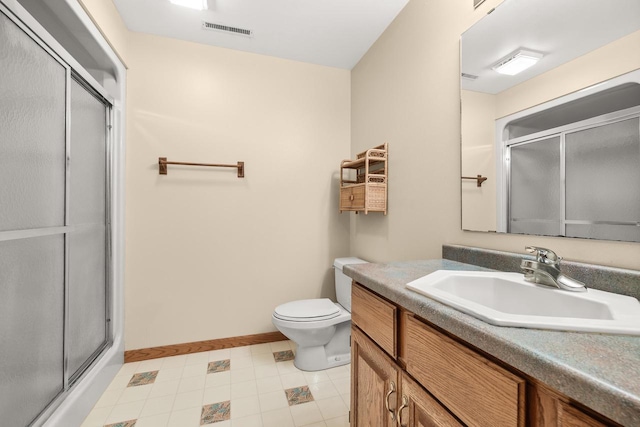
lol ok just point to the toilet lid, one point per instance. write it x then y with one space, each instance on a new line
307 310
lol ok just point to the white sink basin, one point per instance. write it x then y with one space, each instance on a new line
506 299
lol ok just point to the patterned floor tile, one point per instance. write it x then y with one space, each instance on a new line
298 395
129 423
180 398
283 356
215 412
143 378
219 366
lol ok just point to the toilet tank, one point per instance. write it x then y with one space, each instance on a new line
343 282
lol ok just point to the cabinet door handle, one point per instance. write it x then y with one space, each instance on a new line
405 404
351 197
392 389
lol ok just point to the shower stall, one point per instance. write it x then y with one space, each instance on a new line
60 311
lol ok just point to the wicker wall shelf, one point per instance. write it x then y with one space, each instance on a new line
367 190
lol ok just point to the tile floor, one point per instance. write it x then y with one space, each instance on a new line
252 386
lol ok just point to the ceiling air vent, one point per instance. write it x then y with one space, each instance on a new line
226 29
467 76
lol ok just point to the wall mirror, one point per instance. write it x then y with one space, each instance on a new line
553 149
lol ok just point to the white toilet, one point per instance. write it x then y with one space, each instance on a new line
320 327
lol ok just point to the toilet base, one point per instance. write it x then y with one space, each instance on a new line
316 359
336 352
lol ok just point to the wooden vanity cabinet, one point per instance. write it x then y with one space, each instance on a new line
375 316
374 384
384 396
568 416
419 409
477 390
408 373
381 393
547 408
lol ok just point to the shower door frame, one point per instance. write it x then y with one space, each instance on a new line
502 138
71 378
561 132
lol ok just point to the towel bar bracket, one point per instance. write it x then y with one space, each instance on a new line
479 179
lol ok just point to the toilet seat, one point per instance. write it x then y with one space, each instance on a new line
307 310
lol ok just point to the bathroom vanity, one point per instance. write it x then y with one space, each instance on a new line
416 362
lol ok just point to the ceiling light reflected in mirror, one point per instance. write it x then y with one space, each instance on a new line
191 4
517 62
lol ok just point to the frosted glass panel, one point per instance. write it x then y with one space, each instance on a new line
87 312
34 113
627 233
88 157
535 184
543 228
32 133
31 326
603 173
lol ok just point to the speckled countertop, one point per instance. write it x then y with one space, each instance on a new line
598 370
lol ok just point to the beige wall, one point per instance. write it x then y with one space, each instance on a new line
406 91
110 23
478 158
210 255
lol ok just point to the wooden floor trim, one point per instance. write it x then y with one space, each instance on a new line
198 346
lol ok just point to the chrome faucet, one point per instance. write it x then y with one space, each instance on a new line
545 270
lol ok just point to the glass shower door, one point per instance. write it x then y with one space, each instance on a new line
54 226
33 91
601 204
535 202
87 328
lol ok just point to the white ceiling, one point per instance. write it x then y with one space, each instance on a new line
335 33
561 30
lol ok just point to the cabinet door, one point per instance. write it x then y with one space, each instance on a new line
374 379
419 409
352 198
569 416
476 390
345 199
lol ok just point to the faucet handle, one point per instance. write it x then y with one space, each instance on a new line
544 255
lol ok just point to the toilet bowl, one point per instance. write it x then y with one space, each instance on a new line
320 327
